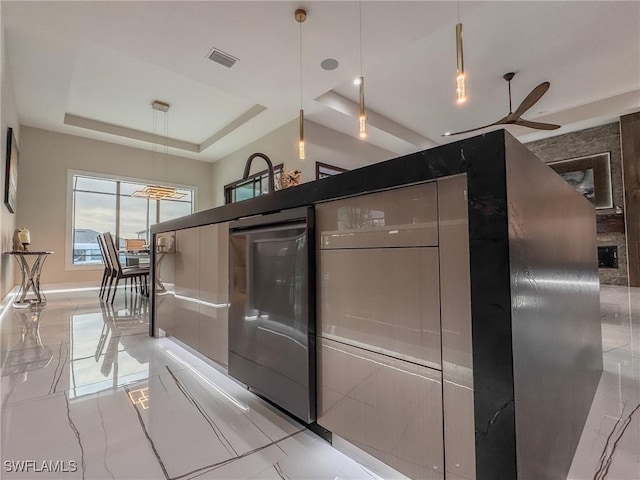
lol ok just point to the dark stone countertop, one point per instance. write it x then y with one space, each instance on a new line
451 159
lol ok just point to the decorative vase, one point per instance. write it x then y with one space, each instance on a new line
21 240
289 178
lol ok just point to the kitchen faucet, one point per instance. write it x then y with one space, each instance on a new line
247 168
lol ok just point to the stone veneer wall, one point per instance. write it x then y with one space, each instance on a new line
592 141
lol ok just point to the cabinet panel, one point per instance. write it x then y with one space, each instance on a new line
394 218
457 351
390 408
382 299
214 291
187 268
164 271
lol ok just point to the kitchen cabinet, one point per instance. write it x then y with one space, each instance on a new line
163 286
214 292
383 299
494 327
187 305
389 408
194 307
396 218
379 356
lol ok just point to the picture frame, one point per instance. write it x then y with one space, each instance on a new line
589 175
11 172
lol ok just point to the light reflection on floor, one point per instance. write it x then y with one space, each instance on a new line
83 381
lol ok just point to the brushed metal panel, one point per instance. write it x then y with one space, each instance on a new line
187 288
382 299
457 350
557 342
214 292
164 281
394 218
389 408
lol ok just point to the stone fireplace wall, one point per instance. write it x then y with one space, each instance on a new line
610 221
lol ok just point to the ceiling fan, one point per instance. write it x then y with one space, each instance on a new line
514 118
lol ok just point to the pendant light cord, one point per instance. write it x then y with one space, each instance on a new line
360 15
166 145
300 65
155 135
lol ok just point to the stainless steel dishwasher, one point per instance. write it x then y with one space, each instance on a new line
272 346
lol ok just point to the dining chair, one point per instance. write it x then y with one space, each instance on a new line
106 260
137 274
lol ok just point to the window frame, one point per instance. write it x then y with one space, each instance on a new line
68 241
336 170
230 187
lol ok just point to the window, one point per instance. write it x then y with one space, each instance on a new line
254 186
324 170
106 205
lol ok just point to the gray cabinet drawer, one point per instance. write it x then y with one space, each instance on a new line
390 408
394 218
382 299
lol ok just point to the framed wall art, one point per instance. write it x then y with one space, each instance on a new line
590 175
11 173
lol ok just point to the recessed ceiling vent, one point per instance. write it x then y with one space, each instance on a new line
222 58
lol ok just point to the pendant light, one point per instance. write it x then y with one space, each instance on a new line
461 87
159 192
362 118
301 16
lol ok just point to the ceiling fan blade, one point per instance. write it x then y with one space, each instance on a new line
502 121
530 100
536 125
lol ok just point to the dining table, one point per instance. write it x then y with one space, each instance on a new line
135 258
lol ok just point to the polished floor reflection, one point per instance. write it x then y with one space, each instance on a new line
610 444
86 393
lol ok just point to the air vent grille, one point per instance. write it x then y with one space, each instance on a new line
222 58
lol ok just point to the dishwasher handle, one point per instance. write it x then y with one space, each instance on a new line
300 214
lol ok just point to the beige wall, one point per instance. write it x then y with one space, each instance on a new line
322 145
9 117
46 157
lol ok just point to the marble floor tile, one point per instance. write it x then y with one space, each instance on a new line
86 393
610 444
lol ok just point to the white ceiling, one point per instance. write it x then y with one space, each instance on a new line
106 62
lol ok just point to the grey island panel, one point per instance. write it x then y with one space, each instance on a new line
557 342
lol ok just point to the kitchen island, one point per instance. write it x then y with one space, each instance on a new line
454 304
